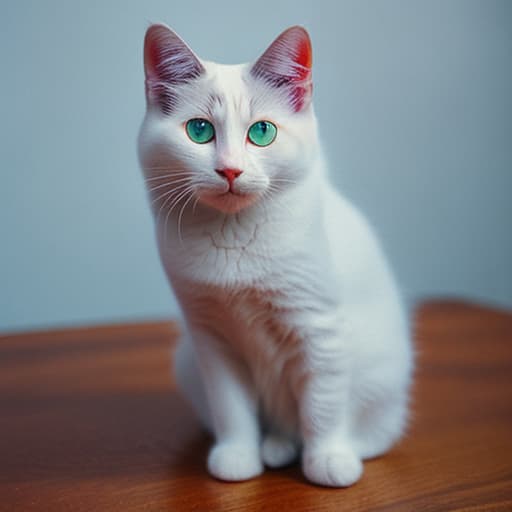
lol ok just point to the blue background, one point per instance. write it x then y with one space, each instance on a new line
415 107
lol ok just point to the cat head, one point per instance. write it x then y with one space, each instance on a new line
226 136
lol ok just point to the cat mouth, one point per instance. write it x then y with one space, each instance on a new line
231 192
228 201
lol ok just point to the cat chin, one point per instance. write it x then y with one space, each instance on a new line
228 202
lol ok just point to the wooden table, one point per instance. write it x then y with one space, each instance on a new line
89 420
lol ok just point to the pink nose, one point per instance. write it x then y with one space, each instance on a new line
229 174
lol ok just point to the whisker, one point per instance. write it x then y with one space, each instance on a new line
165 169
174 203
180 197
283 180
174 175
179 187
159 177
172 194
158 173
194 205
181 215
165 194
169 184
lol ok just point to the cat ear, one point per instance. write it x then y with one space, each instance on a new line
287 63
168 62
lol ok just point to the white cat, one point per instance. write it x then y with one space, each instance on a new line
295 339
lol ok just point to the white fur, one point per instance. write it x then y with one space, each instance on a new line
295 339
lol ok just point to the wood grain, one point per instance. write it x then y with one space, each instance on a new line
90 420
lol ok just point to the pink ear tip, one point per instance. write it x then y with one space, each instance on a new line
303 45
154 28
153 34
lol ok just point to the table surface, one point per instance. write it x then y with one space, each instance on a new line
90 420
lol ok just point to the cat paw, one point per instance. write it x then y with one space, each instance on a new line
338 467
278 451
234 462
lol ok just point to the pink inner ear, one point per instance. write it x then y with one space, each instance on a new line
302 94
155 44
287 63
151 58
168 62
304 57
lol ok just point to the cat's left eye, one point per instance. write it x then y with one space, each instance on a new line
262 133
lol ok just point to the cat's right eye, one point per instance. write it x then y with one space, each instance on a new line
200 131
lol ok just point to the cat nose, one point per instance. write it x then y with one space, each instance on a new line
229 174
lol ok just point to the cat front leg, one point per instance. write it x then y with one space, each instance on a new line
235 456
328 457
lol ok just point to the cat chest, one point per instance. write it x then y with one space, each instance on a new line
256 328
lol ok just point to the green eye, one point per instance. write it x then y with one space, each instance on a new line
200 131
262 133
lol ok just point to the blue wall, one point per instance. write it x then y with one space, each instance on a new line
414 101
